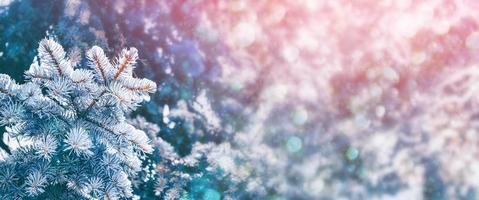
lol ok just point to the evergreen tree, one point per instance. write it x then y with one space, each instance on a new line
74 117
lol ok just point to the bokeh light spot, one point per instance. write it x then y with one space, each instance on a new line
472 41
276 197
316 186
352 153
390 74
300 116
211 194
294 144
418 58
362 120
244 34
380 111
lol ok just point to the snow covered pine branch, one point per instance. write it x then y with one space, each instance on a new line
81 144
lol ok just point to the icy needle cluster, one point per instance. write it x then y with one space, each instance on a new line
80 145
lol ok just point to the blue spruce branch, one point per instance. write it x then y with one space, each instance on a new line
79 143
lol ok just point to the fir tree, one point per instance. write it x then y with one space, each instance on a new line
74 117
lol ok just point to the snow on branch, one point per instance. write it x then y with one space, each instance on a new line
82 146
